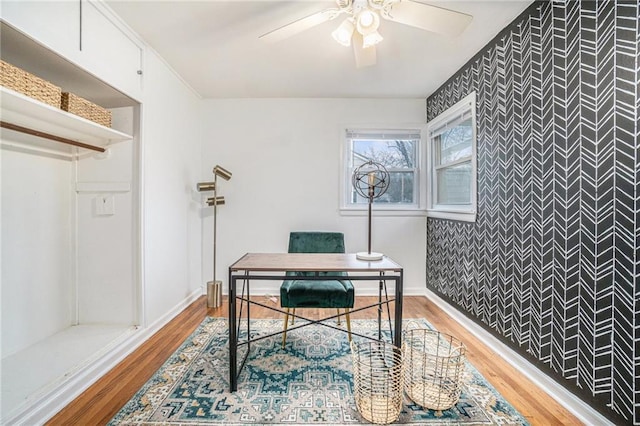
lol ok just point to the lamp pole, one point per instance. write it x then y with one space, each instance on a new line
215 216
371 190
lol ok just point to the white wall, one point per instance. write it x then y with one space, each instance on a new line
37 236
106 244
285 156
171 167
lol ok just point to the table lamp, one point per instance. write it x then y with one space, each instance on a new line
370 180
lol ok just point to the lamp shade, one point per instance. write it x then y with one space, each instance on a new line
206 186
215 201
344 32
222 172
367 22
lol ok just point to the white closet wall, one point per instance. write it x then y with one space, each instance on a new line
37 235
105 245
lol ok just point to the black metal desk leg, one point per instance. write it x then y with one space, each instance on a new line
248 317
233 339
398 312
380 308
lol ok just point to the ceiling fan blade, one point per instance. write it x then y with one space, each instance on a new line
300 25
430 18
365 57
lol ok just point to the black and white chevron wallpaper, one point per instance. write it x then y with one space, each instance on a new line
552 264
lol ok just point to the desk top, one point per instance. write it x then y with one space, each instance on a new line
327 262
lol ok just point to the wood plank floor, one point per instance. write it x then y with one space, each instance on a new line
102 400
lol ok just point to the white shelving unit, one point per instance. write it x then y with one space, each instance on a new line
20 110
94 319
42 369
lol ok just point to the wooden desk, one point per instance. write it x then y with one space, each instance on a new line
273 266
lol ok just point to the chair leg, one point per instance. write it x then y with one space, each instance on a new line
346 310
293 319
284 333
338 309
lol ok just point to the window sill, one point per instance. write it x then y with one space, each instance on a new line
377 211
452 215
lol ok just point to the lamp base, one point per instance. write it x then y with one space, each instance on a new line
363 255
214 294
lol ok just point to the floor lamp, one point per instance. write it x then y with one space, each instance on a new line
214 287
370 181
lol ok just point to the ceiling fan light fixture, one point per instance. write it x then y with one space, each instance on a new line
371 39
360 28
367 21
344 32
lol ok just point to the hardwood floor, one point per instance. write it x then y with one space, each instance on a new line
102 400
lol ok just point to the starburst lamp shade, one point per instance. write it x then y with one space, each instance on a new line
370 181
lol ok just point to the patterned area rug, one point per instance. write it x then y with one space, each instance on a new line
308 382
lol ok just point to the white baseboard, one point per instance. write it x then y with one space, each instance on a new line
172 313
46 405
577 407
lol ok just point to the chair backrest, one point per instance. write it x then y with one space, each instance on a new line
316 242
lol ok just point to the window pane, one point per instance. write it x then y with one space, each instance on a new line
454 184
401 186
401 190
455 143
397 151
393 154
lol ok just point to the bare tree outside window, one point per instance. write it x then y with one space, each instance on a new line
455 143
399 158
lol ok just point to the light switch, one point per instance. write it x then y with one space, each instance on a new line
105 205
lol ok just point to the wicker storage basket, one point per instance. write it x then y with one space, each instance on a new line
434 364
85 109
377 381
29 85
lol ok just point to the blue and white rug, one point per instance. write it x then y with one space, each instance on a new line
308 382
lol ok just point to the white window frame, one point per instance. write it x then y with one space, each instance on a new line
415 209
465 213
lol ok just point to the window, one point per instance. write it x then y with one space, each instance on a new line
452 162
398 151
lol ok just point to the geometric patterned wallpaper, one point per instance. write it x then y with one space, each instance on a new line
552 264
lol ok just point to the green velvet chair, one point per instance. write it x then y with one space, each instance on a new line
301 293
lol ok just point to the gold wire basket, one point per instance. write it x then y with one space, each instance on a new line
434 366
377 381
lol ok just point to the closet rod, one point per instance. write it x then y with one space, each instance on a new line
49 136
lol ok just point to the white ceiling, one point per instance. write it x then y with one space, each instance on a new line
214 46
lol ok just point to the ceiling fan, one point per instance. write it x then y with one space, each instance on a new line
360 27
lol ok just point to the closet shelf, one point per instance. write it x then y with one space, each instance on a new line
26 112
